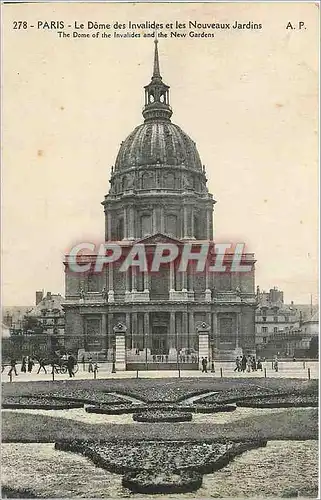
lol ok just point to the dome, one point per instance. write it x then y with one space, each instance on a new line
161 142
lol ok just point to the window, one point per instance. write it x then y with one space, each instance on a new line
275 329
171 225
146 225
275 319
120 229
264 340
264 329
264 318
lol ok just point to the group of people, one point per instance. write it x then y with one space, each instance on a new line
28 362
248 364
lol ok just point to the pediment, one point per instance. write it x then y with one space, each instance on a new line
153 239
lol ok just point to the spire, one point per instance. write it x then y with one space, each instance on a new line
156 72
156 94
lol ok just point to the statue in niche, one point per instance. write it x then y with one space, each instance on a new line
104 293
82 294
185 181
130 180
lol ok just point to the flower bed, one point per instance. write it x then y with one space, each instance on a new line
122 456
160 466
162 416
238 394
132 408
282 401
7 492
38 403
162 482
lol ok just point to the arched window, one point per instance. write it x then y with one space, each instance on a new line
120 229
169 181
147 180
171 225
146 226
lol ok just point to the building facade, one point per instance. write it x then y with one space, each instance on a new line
158 194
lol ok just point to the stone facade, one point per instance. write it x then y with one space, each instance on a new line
158 193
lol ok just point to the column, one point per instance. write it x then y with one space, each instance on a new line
146 281
131 225
104 329
134 331
162 221
125 224
110 330
172 324
184 281
215 330
192 223
238 325
127 281
154 221
129 338
146 331
190 328
184 329
111 294
208 293
185 222
208 224
171 277
134 285
108 234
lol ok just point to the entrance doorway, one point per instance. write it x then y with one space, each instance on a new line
159 337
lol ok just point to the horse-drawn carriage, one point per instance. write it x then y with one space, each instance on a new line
60 365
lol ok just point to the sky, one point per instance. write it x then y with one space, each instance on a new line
248 98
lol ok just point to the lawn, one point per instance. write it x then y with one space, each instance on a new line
290 424
162 390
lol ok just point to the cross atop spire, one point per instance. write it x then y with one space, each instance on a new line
156 93
156 72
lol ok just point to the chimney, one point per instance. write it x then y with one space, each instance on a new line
39 296
49 295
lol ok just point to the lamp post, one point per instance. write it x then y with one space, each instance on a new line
212 357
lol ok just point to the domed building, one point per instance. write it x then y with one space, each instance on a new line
158 194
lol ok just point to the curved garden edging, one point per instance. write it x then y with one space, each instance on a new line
135 408
162 416
166 483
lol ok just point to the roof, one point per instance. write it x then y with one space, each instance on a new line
158 142
49 302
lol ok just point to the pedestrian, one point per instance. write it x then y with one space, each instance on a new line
71 365
30 364
204 365
24 364
237 365
95 368
276 365
259 364
253 364
243 363
249 364
90 365
42 365
13 368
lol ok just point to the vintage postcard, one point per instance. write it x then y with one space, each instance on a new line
160 309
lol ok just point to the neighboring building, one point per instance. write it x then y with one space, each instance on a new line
284 329
158 193
310 327
49 313
13 317
272 316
